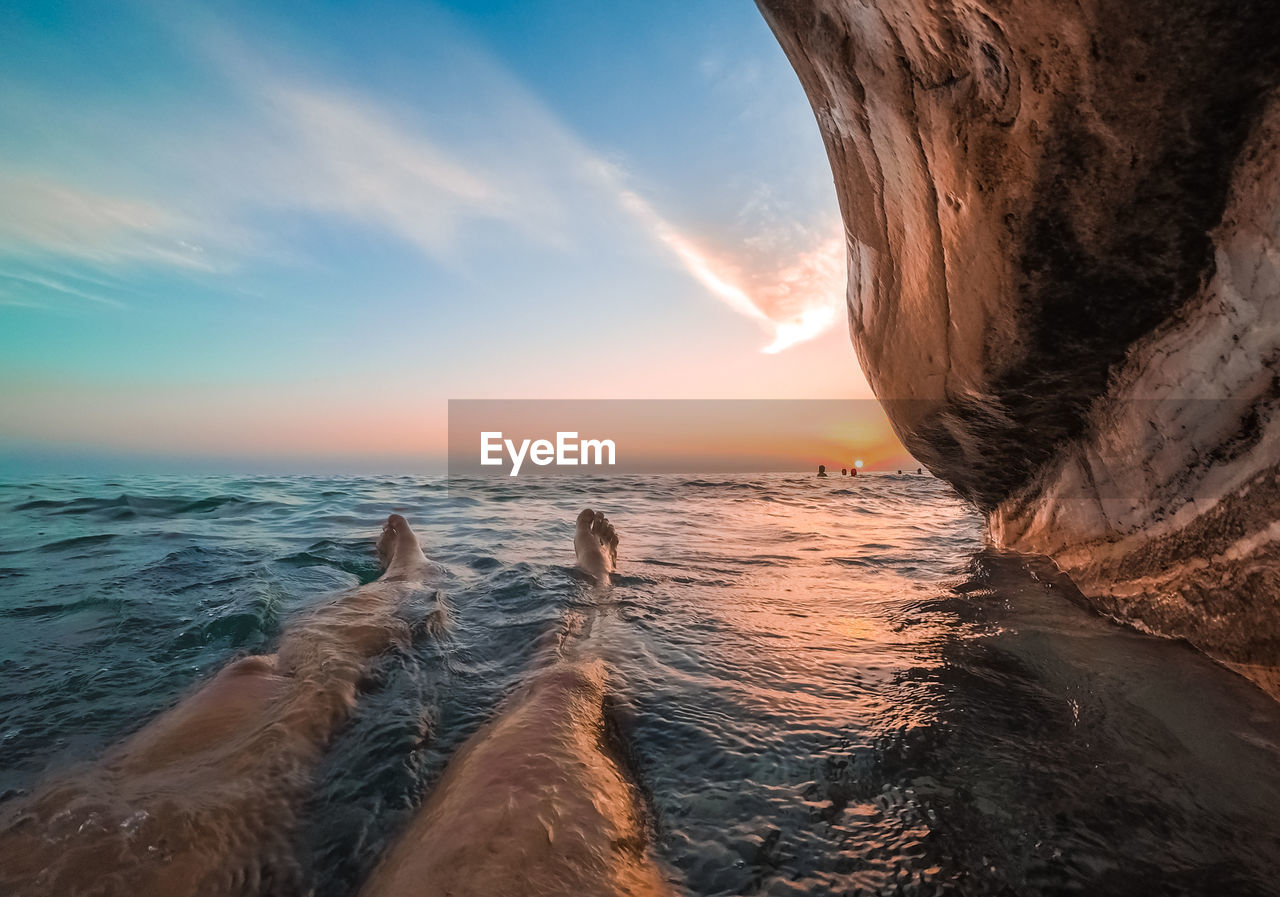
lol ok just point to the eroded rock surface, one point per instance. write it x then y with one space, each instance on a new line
1064 279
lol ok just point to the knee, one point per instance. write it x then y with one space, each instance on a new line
254 665
572 679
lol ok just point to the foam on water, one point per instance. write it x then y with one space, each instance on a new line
826 686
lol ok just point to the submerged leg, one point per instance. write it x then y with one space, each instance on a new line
537 802
203 800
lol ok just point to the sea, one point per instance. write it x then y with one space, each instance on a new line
823 686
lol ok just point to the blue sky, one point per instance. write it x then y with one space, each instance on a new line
298 229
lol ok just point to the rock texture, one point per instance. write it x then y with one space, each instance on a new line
1064 279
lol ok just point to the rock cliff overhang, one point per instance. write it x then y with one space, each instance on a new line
1064 279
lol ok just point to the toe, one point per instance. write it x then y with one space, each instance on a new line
608 536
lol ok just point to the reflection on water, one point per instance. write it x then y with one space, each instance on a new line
828 686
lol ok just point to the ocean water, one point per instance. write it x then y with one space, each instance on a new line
824 686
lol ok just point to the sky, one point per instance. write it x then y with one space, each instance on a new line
295 231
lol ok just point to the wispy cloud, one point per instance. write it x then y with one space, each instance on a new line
351 158
346 157
8 299
57 286
803 296
703 269
299 145
795 294
43 215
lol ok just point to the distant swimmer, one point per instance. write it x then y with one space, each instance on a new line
919 470
899 471
822 470
844 472
854 472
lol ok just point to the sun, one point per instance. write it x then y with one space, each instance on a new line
858 464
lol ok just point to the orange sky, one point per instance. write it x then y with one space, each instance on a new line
259 246
401 419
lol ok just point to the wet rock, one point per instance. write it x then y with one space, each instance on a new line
1064 280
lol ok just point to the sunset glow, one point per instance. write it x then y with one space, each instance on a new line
314 258
796 302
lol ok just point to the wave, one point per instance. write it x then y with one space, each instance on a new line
124 506
77 542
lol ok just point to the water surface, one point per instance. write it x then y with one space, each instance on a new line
827 686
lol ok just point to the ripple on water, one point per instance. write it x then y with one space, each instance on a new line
828 687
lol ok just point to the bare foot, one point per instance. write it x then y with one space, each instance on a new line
399 550
596 544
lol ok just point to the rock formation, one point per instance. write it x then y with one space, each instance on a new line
1064 279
